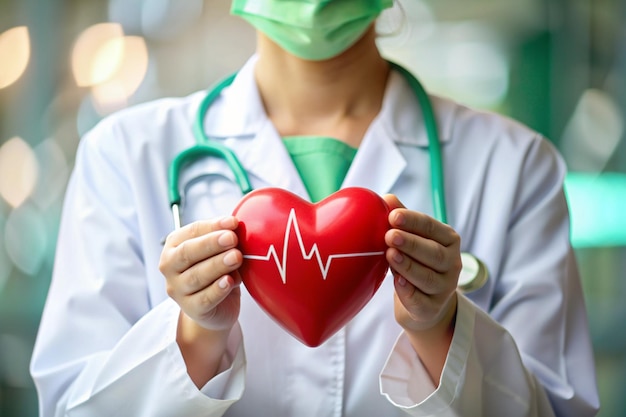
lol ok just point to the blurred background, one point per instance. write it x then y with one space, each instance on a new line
556 65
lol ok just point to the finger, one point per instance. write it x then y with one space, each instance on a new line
204 274
200 228
424 279
198 249
425 251
414 309
199 304
423 225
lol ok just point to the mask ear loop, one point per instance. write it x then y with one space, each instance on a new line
391 21
402 26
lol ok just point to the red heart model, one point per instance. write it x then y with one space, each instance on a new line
312 267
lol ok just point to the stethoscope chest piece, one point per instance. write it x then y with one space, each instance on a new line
474 273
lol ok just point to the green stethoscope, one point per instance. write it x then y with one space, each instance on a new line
474 273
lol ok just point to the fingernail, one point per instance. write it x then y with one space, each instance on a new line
398 240
231 259
223 283
401 281
399 219
226 239
226 222
397 257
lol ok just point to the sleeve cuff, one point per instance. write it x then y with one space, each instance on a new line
406 383
149 359
229 383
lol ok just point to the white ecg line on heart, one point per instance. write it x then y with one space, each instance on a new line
282 266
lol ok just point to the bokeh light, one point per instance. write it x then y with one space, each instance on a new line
112 64
597 206
96 55
107 60
478 73
18 171
14 54
114 93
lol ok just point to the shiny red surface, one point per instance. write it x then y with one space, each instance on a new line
331 255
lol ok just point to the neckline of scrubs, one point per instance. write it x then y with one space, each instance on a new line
322 163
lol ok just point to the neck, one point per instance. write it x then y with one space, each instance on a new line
338 97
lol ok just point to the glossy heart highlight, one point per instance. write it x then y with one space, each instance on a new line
312 267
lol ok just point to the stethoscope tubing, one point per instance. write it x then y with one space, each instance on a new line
434 144
205 147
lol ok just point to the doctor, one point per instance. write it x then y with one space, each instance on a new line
135 328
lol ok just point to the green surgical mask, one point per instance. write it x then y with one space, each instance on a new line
311 29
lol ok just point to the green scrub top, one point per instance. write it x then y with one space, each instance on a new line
322 163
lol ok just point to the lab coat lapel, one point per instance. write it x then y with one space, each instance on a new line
268 162
378 162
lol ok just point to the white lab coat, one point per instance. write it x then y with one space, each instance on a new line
106 345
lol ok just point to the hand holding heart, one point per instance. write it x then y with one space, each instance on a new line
200 262
424 256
